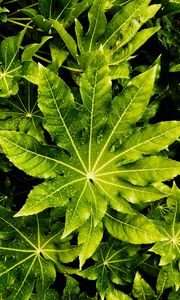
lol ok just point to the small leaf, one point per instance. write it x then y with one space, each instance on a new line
169 249
66 37
22 257
71 289
113 264
58 57
10 64
141 289
97 24
31 49
21 113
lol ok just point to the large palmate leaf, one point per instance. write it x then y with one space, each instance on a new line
21 113
120 37
114 263
28 255
10 66
100 158
169 249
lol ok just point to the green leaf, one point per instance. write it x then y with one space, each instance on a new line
73 10
113 264
58 57
168 277
114 294
31 49
64 11
141 289
169 249
23 264
71 289
128 107
92 237
21 113
126 23
95 138
175 68
135 229
124 53
119 37
10 66
68 40
147 140
97 24
174 295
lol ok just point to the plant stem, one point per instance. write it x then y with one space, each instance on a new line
19 10
72 69
23 25
64 67
12 1
42 58
20 19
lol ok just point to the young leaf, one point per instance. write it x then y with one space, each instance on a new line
10 65
71 289
169 249
168 276
141 289
31 49
21 113
68 40
113 264
27 256
97 25
119 38
63 11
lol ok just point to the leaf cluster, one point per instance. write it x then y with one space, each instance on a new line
90 204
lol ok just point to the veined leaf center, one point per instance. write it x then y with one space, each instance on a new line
91 176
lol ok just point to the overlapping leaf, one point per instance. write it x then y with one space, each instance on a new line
113 264
10 66
21 113
29 255
120 37
169 249
95 141
63 11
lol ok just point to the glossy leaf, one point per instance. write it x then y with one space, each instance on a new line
135 229
119 37
28 255
31 49
141 289
94 142
90 237
10 67
168 277
113 264
169 249
21 113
